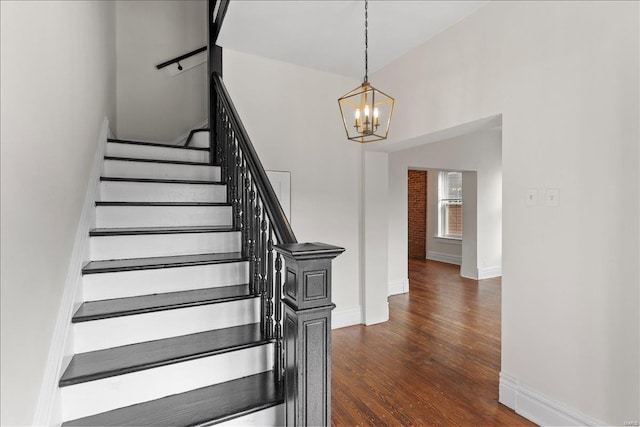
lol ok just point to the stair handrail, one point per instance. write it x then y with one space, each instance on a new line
192 133
281 226
177 59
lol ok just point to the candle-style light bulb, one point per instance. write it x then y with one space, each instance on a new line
366 127
357 114
376 113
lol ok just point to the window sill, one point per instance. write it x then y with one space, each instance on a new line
449 240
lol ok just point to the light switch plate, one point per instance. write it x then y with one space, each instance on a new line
532 197
552 197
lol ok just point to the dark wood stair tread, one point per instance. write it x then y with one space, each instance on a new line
115 203
114 361
131 231
170 162
159 181
203 406
160 262
105 309
155 144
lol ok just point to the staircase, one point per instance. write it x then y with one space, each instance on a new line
170 330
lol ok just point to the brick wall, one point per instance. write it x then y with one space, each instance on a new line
417 206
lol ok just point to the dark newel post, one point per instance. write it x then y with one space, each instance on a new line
307 332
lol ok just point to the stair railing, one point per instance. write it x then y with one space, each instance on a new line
293 280
296 312
256 211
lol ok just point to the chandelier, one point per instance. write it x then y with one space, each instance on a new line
366 111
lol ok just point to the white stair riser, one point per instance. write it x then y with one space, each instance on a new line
102 395
155 245
200 139
122 284
161 216
118 191
159 153
117 331
270 417
127 169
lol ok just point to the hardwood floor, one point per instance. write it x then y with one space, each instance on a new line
435 363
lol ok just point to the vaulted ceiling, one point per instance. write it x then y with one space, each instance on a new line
329 35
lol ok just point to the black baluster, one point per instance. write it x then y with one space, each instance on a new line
219 133
230 176
227 157
257 251
263 274
225 149
237 221
225 146
278 356
231 172
270 284
245 209
251 241
236 181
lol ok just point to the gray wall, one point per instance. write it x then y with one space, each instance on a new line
58 85
153 105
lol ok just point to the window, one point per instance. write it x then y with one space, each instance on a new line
450 205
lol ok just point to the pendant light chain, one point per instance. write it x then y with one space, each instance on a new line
366 41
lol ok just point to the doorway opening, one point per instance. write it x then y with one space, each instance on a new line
435 215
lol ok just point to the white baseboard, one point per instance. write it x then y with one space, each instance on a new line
183 138
539 408
449 259
378 317
343 317
466 275
489 272
398 287
48 411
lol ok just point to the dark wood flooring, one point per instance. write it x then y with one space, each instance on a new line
435 363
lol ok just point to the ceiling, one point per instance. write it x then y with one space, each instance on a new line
329 35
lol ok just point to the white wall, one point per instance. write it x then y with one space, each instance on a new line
478 155
291 114
564 76
152 105
374 237
471 249
57 85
